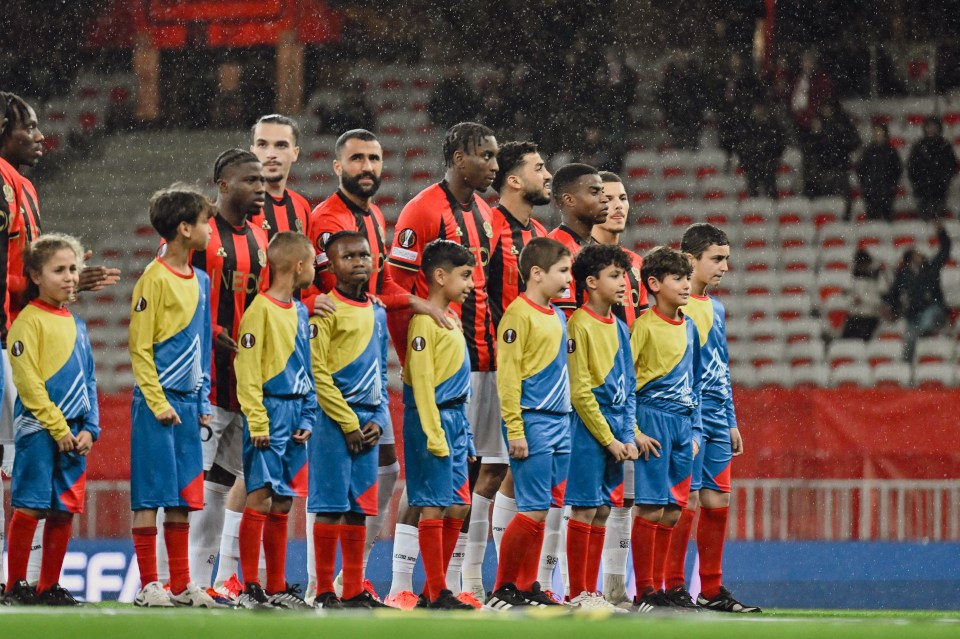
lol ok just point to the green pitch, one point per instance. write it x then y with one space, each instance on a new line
109 621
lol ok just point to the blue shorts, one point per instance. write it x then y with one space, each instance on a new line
46 479
166 462
595 479
432 480
665 479
540 480
711 468
283 466
341 481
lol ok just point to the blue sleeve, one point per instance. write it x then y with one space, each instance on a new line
382 416
728 403
206 344
697 386
627 435
308 415
91 419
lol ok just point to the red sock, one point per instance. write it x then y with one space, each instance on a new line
451 533
145 545
352 539
661 545
251 536
711 532
325 537
675 572
594 555
643 538
56 536
431 551
578 547
520 535
19 542
531 561
275 551
176 536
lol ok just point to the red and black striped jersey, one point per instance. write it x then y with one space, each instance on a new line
236 261
23 227
635 302
509 237
289 213
566 236
436 214
9 203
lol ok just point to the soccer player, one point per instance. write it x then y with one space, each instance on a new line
708 248
349 350
275 139
666 354
601 383
278 398
535 402
170 344
57 419
453 210
437 440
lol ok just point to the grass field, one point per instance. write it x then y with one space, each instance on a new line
110 621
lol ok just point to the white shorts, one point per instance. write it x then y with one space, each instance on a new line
9 397
387 436
628 473
483 413
222 442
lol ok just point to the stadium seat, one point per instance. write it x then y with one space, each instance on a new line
721 213
837 235
851 375
640 164
827 209
774 375
767 329
760 282
898 374
793 209
743 375
884 351
935 350
810 376
794 282
804 352
803 329
737 329
762 260
846 351
832 282
719 187
931 375
838 258
797 235
792 307
799 259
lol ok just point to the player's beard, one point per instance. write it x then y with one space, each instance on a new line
536 197
352 185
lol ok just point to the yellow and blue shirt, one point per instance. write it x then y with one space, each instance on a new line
53 372
273 360
349 353
170 339
710 317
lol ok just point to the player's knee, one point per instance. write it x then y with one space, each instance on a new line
671 515
489 479
600 517
409 516
281 505
388 454
458 512
714 498
693 501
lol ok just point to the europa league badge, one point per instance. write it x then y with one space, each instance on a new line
488 229
8 192
262 258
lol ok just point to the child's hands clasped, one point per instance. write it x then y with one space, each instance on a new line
68 443
354 441
371 434
168 417
301 436
647 446
518 448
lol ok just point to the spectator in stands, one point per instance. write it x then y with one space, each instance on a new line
760 147
737 89
826 147
681 97
353 111
812 88
865 297
454 100
879 172
931 167
916 293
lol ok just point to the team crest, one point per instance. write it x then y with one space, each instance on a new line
248 340
419 344
141 305
322 242
509 336
636 273
488 229
262 258
221 252
314 331
8 192
514 251
571 345
299 225
407 238
459 232
17 349
265 225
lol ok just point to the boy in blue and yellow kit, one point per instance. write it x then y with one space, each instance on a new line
279 403
534 387
602 380
437 442
666 354
708 249
349 351
170 344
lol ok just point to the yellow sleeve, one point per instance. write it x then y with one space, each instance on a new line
510 374
28 378
328 395
249 369
581 391
422 376
143 324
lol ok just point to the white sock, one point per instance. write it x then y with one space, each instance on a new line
163 565
456 561
549 554
616 544
229 547
504 510
206 526
472 566
36 554
386 481
311 553
406 549
562 552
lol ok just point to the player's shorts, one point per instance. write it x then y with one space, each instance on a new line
595 479
387 437
629 478
166 462
341 481
432 480
222 441
540 480
7 401
283 466
665 479
483 413
711 467
46 479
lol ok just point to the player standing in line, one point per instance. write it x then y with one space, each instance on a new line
276 393
709 250
601 383
523 182
666 354
57 419
453 210
349 353
534 388
275 139
170 344
436 434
